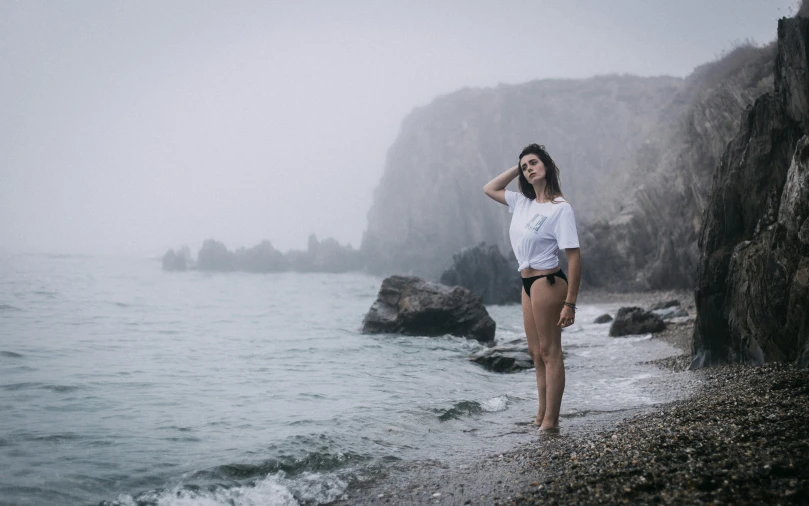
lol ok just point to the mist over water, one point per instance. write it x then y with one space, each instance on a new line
134 127
126 384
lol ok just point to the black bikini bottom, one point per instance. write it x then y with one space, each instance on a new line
527 282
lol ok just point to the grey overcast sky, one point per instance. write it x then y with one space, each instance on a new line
129 127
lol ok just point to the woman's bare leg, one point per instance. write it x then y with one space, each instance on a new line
533 350
546 304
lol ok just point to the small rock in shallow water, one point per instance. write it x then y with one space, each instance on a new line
634 320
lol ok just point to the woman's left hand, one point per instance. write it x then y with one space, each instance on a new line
567 317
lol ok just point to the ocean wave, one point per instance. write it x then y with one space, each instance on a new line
46 293
273 490
468 408
289 465
495 404
12 387
459 410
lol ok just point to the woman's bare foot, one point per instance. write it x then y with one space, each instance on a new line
548 426
538 419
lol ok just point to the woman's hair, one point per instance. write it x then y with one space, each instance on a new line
552 187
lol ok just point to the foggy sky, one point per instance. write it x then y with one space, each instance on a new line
134 127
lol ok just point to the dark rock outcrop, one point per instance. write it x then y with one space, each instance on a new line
665 305
753 282
487 273
412 306
507 357
635 320
605 318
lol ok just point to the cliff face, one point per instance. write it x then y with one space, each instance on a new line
636 157
652 241
753 279
429 203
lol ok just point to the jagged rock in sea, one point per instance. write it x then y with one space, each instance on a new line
412 306
429 203
214 256
262 257
605 318
507 357
752 293
325 256
321 256
635 320
487 273
179 261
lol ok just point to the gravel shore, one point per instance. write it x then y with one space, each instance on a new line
742 438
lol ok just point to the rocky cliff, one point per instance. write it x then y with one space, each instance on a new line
636 158
753 280
652 241
429 203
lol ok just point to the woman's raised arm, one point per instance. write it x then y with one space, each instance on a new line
496 188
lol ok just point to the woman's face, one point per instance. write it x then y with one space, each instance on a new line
532 168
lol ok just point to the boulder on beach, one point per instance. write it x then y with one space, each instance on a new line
412 306
507 357
635 320
605 318
668 309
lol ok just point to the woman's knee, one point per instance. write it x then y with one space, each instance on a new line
549 352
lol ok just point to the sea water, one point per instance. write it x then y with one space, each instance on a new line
124 384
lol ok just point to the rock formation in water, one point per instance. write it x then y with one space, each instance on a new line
321 256
178 261
753 281
325 256
487 273
512 356
634 320
412 306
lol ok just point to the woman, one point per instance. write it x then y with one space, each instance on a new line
542 222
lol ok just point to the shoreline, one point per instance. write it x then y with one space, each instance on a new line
742 437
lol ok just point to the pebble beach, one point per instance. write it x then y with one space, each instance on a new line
741 437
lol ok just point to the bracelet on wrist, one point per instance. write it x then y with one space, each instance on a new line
570 305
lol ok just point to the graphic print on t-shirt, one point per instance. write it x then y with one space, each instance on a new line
536 222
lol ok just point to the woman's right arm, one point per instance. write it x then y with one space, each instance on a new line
496 188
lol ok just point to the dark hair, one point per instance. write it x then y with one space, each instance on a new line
552 187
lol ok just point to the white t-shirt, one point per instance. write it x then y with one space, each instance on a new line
538 230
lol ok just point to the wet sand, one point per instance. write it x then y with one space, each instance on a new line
741 438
